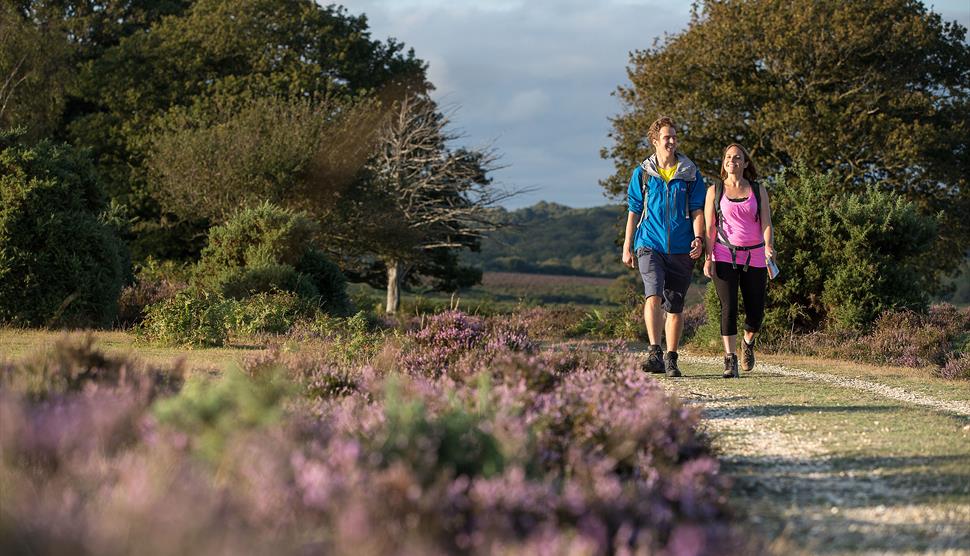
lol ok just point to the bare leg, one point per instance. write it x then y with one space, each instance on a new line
673 327
749 336
730 344
653 317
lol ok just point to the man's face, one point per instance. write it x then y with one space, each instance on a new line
666 142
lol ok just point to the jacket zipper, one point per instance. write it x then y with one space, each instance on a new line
667 217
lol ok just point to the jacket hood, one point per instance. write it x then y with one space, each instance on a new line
686 170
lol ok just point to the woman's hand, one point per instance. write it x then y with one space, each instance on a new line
709 268
769 252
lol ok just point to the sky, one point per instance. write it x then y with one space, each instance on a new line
534 78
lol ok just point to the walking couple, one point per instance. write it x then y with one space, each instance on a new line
673 219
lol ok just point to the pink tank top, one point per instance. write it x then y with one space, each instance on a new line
737 221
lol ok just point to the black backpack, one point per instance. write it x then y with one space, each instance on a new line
722 235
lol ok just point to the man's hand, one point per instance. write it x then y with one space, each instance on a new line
628 259
696 248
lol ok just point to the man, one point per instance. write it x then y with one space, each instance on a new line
664 230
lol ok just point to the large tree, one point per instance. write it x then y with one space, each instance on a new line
35 72
139 61
877 91
428 201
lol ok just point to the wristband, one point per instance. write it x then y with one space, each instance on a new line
699 237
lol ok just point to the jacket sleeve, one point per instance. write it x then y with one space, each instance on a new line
634 193
698 194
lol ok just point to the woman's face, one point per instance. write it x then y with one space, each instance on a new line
666 141
734 162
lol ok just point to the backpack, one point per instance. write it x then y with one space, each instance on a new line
722 235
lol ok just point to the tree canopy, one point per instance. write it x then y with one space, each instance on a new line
877 92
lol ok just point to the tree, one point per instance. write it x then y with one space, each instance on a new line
294 152
141 60
60 263
35 71
878 92
428 201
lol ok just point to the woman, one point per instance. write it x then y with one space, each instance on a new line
739 240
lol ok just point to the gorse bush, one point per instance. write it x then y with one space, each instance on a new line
190 318
267 248
60 265
845 258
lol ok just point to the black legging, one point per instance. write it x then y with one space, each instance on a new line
753 283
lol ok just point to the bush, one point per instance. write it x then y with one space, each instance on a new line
846 258
191 318
154 282
266 249
60 264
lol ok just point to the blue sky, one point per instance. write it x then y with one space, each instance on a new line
534 78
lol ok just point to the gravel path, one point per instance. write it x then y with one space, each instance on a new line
792 488
891 392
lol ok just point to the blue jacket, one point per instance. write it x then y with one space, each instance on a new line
666 225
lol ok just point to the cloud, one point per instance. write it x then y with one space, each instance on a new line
535 77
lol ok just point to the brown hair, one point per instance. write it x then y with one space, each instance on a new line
653 133
750 172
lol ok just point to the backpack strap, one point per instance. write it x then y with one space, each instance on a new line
722 235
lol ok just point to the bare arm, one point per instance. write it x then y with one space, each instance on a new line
766 228
711 232
697 244
632 219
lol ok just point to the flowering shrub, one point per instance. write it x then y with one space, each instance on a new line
509 451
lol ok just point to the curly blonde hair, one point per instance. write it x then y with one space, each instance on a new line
654 132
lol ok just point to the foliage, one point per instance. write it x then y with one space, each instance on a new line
35 73
154 282
207 161
433 199
60 264
514 452
265 249
190 318
846 257
211 411
549 238
141 65
824 82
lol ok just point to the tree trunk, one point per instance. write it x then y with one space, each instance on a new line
393 286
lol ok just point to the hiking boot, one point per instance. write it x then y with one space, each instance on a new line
747 355
731 366
670 364
655 360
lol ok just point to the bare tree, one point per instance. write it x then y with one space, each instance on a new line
432 197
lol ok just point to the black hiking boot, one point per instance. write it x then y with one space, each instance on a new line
747 355
655 360
731 366
670 364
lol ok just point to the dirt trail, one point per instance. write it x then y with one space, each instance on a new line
891 392
828 464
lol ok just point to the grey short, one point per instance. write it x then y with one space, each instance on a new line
665 275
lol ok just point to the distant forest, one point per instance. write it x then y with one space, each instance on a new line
549 238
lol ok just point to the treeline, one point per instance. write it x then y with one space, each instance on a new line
133 130
858 113
548 238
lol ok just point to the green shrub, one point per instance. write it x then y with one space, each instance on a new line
191 318
210 411
60 264
266 249
268 313
846 258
